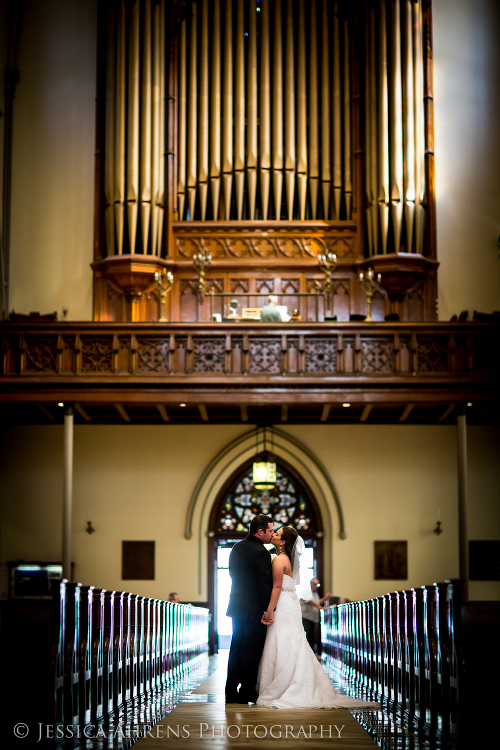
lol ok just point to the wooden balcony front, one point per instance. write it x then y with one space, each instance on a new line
249 371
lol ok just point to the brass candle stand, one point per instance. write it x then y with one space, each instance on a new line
328 264
201 262
368 283
164 281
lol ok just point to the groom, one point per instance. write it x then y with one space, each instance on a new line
252 583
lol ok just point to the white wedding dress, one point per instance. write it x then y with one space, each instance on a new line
290 675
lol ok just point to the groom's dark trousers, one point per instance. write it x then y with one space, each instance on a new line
252 583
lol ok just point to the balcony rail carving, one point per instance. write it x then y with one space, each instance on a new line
254 351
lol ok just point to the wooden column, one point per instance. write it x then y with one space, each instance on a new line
67 491
462 504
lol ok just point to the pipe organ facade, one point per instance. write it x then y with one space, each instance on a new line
264 133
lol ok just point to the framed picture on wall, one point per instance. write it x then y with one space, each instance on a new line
391 561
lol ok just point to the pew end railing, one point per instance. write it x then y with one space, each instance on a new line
403 649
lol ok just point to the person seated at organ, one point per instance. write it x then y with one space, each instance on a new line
269 312
173 597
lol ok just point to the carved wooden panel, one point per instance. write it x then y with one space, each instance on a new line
41 354
264 286
189 299
341 302
265 355
433 355
304 240
321 355
97 353
152 354
377 355
209 355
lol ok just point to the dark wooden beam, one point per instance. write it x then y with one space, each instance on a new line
366 412
121 411
163 412
244 412
406 413
446 412
46 412
284 412
81 411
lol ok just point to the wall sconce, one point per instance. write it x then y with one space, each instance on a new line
90 529
438 530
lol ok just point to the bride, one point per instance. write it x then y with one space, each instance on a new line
290 675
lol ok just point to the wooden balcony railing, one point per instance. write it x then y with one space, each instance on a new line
250 353
404 649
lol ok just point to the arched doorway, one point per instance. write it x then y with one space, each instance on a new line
290 501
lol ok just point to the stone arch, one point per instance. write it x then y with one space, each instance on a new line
234 455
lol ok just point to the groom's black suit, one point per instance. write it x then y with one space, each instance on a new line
252 582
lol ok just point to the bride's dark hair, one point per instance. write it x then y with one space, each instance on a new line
289 535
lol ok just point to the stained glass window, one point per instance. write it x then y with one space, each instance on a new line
286 502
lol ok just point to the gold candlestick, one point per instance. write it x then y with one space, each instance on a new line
368 283
328 264
164 281
201 261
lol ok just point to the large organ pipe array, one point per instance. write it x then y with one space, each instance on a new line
394 127
134 172
264 111
114 650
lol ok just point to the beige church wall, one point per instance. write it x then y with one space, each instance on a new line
467 154
53 160
53 164
135 483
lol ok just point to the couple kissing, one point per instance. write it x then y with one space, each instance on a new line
270 661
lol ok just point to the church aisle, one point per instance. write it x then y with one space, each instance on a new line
204 716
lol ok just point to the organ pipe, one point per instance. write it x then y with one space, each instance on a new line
163 108
313 111
277 126
239 110
119 154
337 115
395 126
215 110
409 124
418 89
146 128
227 109
109 175
347 126
182 109
192 117
265 111
301 113
289 111
251 102
383 129
133 127
203 113
326 175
